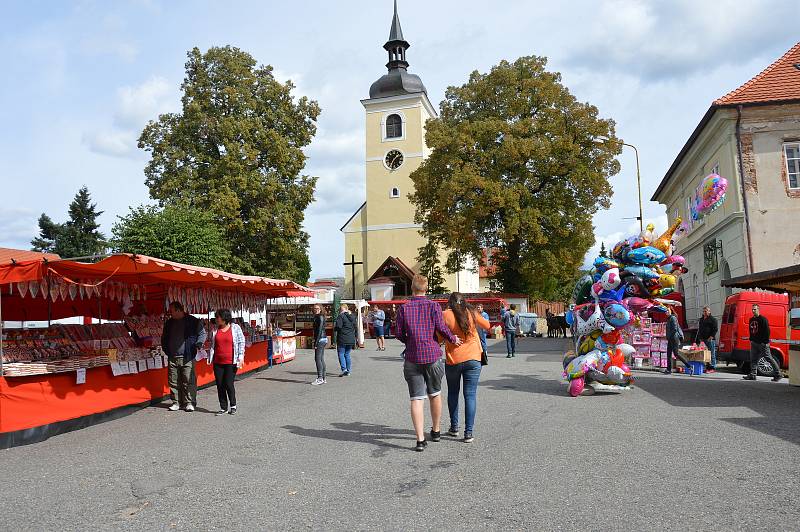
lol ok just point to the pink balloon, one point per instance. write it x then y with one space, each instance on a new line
625 369
576 386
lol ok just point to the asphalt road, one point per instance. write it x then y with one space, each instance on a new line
676 452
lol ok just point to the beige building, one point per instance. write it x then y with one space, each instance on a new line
751 136
383 228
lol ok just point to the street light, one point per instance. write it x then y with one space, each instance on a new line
604 140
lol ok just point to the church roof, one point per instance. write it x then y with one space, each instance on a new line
404 270
353 216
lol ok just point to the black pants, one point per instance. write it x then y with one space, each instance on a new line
672 349
319 360
224 375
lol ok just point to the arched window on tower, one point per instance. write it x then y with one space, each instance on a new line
394 127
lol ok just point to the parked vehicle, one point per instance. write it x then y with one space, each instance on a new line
734 332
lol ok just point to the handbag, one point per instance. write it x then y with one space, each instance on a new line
484 359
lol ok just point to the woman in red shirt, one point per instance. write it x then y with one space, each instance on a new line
227 355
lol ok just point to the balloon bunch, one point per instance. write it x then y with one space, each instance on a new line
709 195
640 271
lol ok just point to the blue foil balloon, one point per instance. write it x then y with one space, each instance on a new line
646 255
617 315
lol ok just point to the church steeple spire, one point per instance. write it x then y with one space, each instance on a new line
396 45
398 80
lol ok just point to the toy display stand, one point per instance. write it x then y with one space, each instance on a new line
650 341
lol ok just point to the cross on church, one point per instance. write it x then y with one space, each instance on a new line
352 265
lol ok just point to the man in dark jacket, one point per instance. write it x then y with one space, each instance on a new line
759 346
183 335
707 333
674 341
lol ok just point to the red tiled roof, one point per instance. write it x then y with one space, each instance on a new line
323 284
778 82
487 268
19 255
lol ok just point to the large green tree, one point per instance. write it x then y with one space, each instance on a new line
236 150
79 236
175 232
516 167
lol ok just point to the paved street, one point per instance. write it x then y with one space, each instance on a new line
674 453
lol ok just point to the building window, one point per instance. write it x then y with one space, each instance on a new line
394 193
792 152
394 127
715 169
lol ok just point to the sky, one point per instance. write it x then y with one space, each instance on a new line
81 79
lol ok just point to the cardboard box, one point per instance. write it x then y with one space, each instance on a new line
697 355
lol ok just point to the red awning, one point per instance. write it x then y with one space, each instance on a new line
154 275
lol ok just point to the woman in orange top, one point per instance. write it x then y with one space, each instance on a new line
463 361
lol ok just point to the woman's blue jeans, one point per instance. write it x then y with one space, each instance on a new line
344 357
470 371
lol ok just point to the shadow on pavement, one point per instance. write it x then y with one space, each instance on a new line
360 433
276 379
777 404
526 383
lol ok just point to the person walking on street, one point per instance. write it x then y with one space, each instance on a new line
707 333
391 318
345 327
482 332
320 342
227 356
510 327
463 361
759 346
183 335
674 341
378 318
418 323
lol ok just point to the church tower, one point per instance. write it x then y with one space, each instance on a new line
382 233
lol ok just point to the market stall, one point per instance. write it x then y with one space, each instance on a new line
63 377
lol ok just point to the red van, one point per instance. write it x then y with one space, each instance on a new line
734 332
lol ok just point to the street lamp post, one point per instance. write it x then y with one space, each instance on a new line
603 140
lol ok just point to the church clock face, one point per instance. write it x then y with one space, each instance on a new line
393 159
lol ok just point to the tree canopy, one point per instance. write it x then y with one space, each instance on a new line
176 232
79 236
516 167
236 151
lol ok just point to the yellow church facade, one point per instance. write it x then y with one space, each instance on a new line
382 234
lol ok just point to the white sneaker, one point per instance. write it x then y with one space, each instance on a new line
190 408
174 407
318 382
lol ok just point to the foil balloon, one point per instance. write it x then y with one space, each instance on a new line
582 292
617 315
595 321
576 386
638 305
647 234
611 279
601 264
708 196
665 240
643 272
646 255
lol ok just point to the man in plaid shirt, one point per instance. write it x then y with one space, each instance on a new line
418 323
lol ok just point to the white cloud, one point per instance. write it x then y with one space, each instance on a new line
672 40
17 227
136 105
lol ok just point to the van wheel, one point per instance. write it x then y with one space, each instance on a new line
765 367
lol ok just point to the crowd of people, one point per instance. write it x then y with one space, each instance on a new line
422 326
